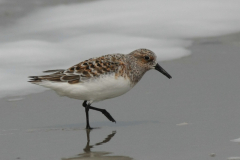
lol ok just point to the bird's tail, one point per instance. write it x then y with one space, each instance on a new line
35 79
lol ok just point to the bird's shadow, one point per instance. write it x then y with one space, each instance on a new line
88 154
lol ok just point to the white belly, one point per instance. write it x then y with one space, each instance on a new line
93 90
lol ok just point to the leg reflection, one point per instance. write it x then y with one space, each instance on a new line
88 147
88 154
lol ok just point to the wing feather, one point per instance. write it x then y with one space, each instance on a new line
83 71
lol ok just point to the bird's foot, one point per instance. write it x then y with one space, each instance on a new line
105 112
88 128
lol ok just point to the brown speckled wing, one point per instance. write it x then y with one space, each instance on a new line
85 70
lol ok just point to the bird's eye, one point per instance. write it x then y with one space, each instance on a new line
146 57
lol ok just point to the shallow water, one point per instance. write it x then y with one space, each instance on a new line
195 115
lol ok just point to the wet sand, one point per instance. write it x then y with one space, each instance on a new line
195 115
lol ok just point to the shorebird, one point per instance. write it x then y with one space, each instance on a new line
100 78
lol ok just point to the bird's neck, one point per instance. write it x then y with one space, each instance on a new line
135 71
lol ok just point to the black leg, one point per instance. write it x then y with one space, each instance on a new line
104 111
87 117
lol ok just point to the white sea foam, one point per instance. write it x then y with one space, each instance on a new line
58 37
236 140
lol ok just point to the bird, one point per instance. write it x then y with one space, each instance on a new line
100 78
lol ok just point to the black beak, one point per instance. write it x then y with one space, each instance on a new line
160 69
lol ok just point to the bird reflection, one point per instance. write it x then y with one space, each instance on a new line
88 154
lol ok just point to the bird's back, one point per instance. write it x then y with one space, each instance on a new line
85 70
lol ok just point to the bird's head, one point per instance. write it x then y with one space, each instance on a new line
148 60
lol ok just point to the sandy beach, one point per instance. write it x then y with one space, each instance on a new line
195 115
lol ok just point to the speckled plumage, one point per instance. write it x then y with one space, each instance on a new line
87 70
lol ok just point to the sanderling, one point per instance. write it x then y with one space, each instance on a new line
100 78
